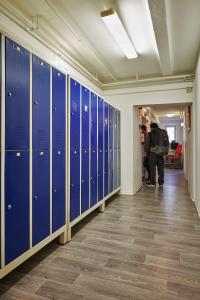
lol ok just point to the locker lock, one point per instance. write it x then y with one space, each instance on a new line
9 206
75 152
85 151
83 180
93 151
54 109
35 197
41 153
54 190
35 102
59 152
100 150
72 184
9 94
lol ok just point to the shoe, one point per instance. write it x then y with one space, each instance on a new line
161 185
149 183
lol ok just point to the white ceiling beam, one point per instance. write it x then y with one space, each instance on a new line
159 20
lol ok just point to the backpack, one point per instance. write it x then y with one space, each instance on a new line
161 143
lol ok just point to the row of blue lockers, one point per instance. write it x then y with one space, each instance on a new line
94 149
26 75
35 148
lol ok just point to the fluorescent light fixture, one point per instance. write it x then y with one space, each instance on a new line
182 124
169 115
114 25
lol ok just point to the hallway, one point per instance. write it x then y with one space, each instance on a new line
142 247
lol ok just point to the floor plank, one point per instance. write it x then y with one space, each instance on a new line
145 246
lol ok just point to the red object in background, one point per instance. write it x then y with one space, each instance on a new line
178 152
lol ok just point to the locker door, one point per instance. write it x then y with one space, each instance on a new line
105 149
58 192
100 148
41 195
58 105
115 149
110 154
17 93
93 164
16 204
85 150
74 184
75 115
41 104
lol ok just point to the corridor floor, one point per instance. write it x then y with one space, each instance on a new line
142 247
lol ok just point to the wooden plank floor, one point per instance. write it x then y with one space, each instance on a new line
142 247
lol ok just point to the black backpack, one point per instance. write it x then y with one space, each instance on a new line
160 142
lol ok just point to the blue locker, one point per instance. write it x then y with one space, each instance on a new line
41 104
115 131
74 149
85 150
74 115
16 204
105 149
17 95
100 148
58 189
93 163
41 195
110 154
74 184
59 111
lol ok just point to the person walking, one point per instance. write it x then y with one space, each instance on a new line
157 145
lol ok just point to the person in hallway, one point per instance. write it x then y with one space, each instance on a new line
145 155
157 145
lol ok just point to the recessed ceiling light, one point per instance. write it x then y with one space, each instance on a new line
169 115
116 28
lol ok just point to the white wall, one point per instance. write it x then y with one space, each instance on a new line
197 136
19 35
124 100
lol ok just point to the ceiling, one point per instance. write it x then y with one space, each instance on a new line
165 33
164 109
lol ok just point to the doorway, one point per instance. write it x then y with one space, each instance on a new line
176 120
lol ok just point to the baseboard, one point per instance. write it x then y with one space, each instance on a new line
137 190
191 196
129 193
198 208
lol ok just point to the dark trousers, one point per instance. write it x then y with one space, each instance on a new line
156 161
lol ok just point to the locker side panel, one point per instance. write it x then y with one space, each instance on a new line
85 150
41 195
58 189
41 104
115 133
119 149
74 149
93 163
58 107
100 148
105 149
110 155
17 96
16 204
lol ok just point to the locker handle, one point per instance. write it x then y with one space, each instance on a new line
72 184
59 152
35 102
83 180
54 190
35 197
9 94
9 206
54 109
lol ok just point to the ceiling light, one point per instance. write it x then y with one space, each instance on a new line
114 25
182 124
169 115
